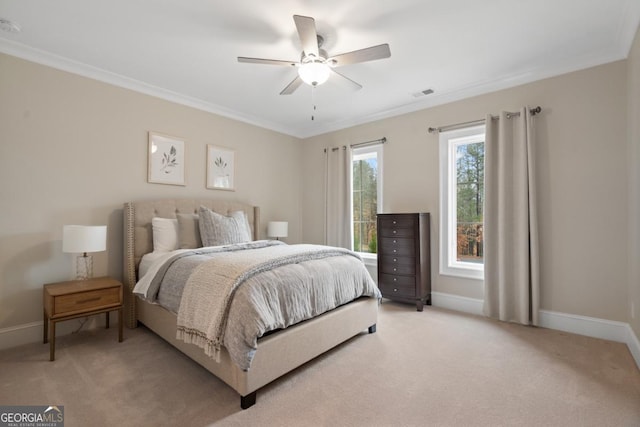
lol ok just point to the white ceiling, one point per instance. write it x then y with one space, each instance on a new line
186 51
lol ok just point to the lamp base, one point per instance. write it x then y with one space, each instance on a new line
84 267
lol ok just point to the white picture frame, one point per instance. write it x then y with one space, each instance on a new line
166 159
220 168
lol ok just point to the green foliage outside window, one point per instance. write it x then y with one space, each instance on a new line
470 201
365 205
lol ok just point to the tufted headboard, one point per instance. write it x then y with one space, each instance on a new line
138 237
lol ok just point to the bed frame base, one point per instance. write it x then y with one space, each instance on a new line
248 401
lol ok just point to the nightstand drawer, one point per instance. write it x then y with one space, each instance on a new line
90 300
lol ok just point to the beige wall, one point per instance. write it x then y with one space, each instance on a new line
633 73
73 150
582 185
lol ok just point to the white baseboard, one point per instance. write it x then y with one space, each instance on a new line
634 345
457 303
33 332
20 335
581 325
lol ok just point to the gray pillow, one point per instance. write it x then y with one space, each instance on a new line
188 231
217 230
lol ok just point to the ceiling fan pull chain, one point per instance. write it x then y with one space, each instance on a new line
313 101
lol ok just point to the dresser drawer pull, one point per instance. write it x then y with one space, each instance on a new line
394 222
395 260
395 231
395 241
395 269
83 301
395 250
395 279
395 289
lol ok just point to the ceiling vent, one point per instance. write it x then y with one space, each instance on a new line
422 93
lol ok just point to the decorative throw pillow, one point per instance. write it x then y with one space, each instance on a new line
165 234
217 230
189 231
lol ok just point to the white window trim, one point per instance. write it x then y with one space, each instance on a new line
449 266
368 258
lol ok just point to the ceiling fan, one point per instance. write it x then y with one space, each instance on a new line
315 65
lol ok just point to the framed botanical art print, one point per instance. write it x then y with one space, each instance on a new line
220 168
166 159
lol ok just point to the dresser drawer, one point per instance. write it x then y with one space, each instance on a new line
397 221
398 265
90 300
403 286
396 246
397 232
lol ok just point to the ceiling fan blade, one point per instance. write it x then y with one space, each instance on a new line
266 61
354 84
307 32
291 87
362 55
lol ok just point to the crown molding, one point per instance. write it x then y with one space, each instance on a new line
476 89
439 98
75 67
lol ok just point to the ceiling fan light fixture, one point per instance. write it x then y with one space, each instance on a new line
314 73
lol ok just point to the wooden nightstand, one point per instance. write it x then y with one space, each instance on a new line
79 298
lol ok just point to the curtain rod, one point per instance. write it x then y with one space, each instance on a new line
533 112
375 141
360 144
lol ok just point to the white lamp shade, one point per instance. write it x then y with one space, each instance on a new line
278 229
84 238
314 73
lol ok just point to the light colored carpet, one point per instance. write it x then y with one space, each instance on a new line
435 368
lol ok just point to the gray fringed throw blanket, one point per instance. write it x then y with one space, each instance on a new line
207 297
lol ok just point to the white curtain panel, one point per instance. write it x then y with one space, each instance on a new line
511 271
338 196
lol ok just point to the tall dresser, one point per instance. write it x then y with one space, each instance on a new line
404 257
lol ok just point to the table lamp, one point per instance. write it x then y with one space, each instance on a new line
278 229
83 239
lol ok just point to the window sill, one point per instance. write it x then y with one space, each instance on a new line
368 258
466 273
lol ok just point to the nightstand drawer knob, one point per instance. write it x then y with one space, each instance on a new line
395 260
395 231
395 269
395 289
394 222
395 241
84 301
395 279
395 250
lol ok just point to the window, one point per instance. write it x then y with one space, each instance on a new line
366 197
462 202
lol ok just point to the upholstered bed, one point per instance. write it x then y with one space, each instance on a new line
277 353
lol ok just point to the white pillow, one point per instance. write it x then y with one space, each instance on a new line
165 234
